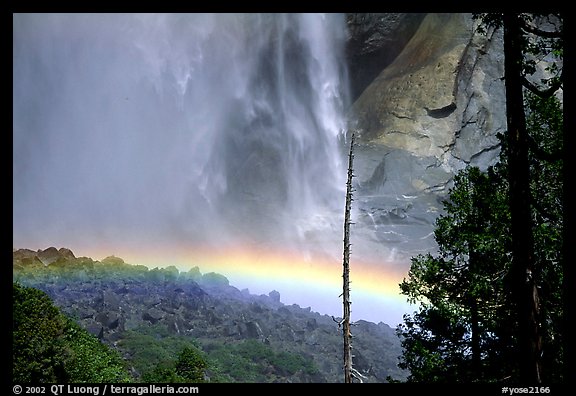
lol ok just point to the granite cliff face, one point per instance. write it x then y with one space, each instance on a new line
374 41
432 110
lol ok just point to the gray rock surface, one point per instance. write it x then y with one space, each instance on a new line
375 39
436 108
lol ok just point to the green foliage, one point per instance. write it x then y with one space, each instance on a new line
90 360
162 358
38 327
466 329
292 363
545 123
254 361
465 307
461 290
49 347
162 373
151 348
238 368
191 365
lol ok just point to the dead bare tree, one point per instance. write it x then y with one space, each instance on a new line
348 369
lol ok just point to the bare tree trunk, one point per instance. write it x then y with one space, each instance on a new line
348 370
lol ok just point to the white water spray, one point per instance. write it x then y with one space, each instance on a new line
148 128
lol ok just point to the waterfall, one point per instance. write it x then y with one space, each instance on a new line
154 127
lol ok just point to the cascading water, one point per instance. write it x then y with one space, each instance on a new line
192 139
274 160
205 126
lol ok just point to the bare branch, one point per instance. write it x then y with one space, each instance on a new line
356 374
339 322
539 32
547 92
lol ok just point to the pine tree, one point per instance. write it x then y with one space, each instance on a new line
491 301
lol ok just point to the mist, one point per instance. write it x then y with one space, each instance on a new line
158 135
150 128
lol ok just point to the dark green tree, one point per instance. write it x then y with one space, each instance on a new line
544 121
47 346
38 353
530 40
162 373
491 302
459 334
191 365
89 360
467 326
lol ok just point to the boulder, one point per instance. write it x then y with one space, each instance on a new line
153 315
274 295
49 255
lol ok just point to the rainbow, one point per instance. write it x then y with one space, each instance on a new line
309 279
